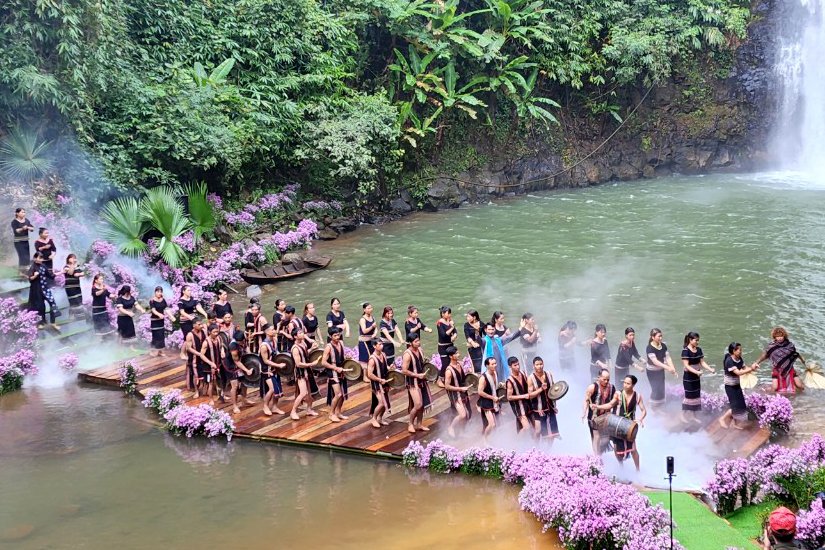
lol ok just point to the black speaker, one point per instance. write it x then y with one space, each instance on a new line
670 465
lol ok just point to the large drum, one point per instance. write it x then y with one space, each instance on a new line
621 427
288 362
252 362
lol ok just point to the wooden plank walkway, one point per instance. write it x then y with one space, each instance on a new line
355 434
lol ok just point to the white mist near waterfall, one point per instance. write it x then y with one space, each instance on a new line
800 68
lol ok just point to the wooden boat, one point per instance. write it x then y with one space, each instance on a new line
274 273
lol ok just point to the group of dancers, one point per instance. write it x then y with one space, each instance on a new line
215 345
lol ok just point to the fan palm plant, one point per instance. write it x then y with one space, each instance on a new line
125 225
161 209
202 215
24 156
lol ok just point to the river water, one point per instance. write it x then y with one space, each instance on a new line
728 256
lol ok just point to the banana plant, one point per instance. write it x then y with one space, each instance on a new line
520 20
462 98
530 105
216 77
509 76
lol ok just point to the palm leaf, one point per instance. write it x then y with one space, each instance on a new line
24 157
202 215
161 209
125 225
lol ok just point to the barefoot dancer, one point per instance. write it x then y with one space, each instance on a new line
782 354
544 408
658 361
158 311
456 387
271 388
390 333
599 351
337 319
378 374
530 338
367 331
518 396
473 333
418 392
734 368
234 370
254 323
627 354
45 245
191 349
72 274
567 346
333 360
211 349
487 398
21 227
627 401
446 336
40 295
414 325
126 304
303 375
693 360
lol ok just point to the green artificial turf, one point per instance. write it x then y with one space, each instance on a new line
697 527
748 520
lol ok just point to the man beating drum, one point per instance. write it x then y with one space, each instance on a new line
599 399
612 415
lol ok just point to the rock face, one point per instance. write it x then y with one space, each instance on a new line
703 120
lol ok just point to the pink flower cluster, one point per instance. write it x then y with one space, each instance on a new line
810 525
772 411
738 482
299 238
570 494
103 249
67 362
241 218
18 327
128 377
199 420
186 241
216 200
21 361
59 279
62 200
162 401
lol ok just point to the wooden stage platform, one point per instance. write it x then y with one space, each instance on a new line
356 434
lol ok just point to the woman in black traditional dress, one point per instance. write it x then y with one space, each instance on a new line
497 320
530 338
45 245
367 331
222 306
337 319
658 361
40 295
21 227
456 386
100 313
187 306
72 274
126 304
158 312
474 336
599 352
735 367
626 355
693 360
390 334
414 325
446 336
567 346
378 375
310 321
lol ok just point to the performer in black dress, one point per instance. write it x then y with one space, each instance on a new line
627 401
737 415
414 325
497 321
457 391
544 409
337 319
418 392
367 331
446 336
45 245
125 305
333 360
599 351
567 345
222 306
72 274
473 334
187 306
100 313
388 329
303 375
530 338
378 375
626 355
519 396
658 361
693 359
158 311
21 227
40 295
310 322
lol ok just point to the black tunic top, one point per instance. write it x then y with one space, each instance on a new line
693 358
16 226
310 326
48 249
336 320
222 309
474 334
445 333
413 327
659 354
626 355
188 306
599 352
390 326
731 364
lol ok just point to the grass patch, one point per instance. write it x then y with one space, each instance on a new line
697 527
748 520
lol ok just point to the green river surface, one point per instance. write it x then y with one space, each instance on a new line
728 256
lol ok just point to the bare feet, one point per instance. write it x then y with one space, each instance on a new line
278 411
423 428
411 429
385 423
196 396
737 426
375 423
294 416
333 418
695 419
236 410
451 431
722 423
342 416
267 411
310 412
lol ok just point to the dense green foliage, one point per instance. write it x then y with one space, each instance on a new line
246 93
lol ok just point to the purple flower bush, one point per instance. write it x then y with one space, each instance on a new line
299 238
18 333
128 377
810 525
216 200
566 493
67 362
181 419
102 249
186 241
772 411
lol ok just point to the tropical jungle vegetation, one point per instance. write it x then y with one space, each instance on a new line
341 96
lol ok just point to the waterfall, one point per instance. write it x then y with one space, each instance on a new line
800 68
